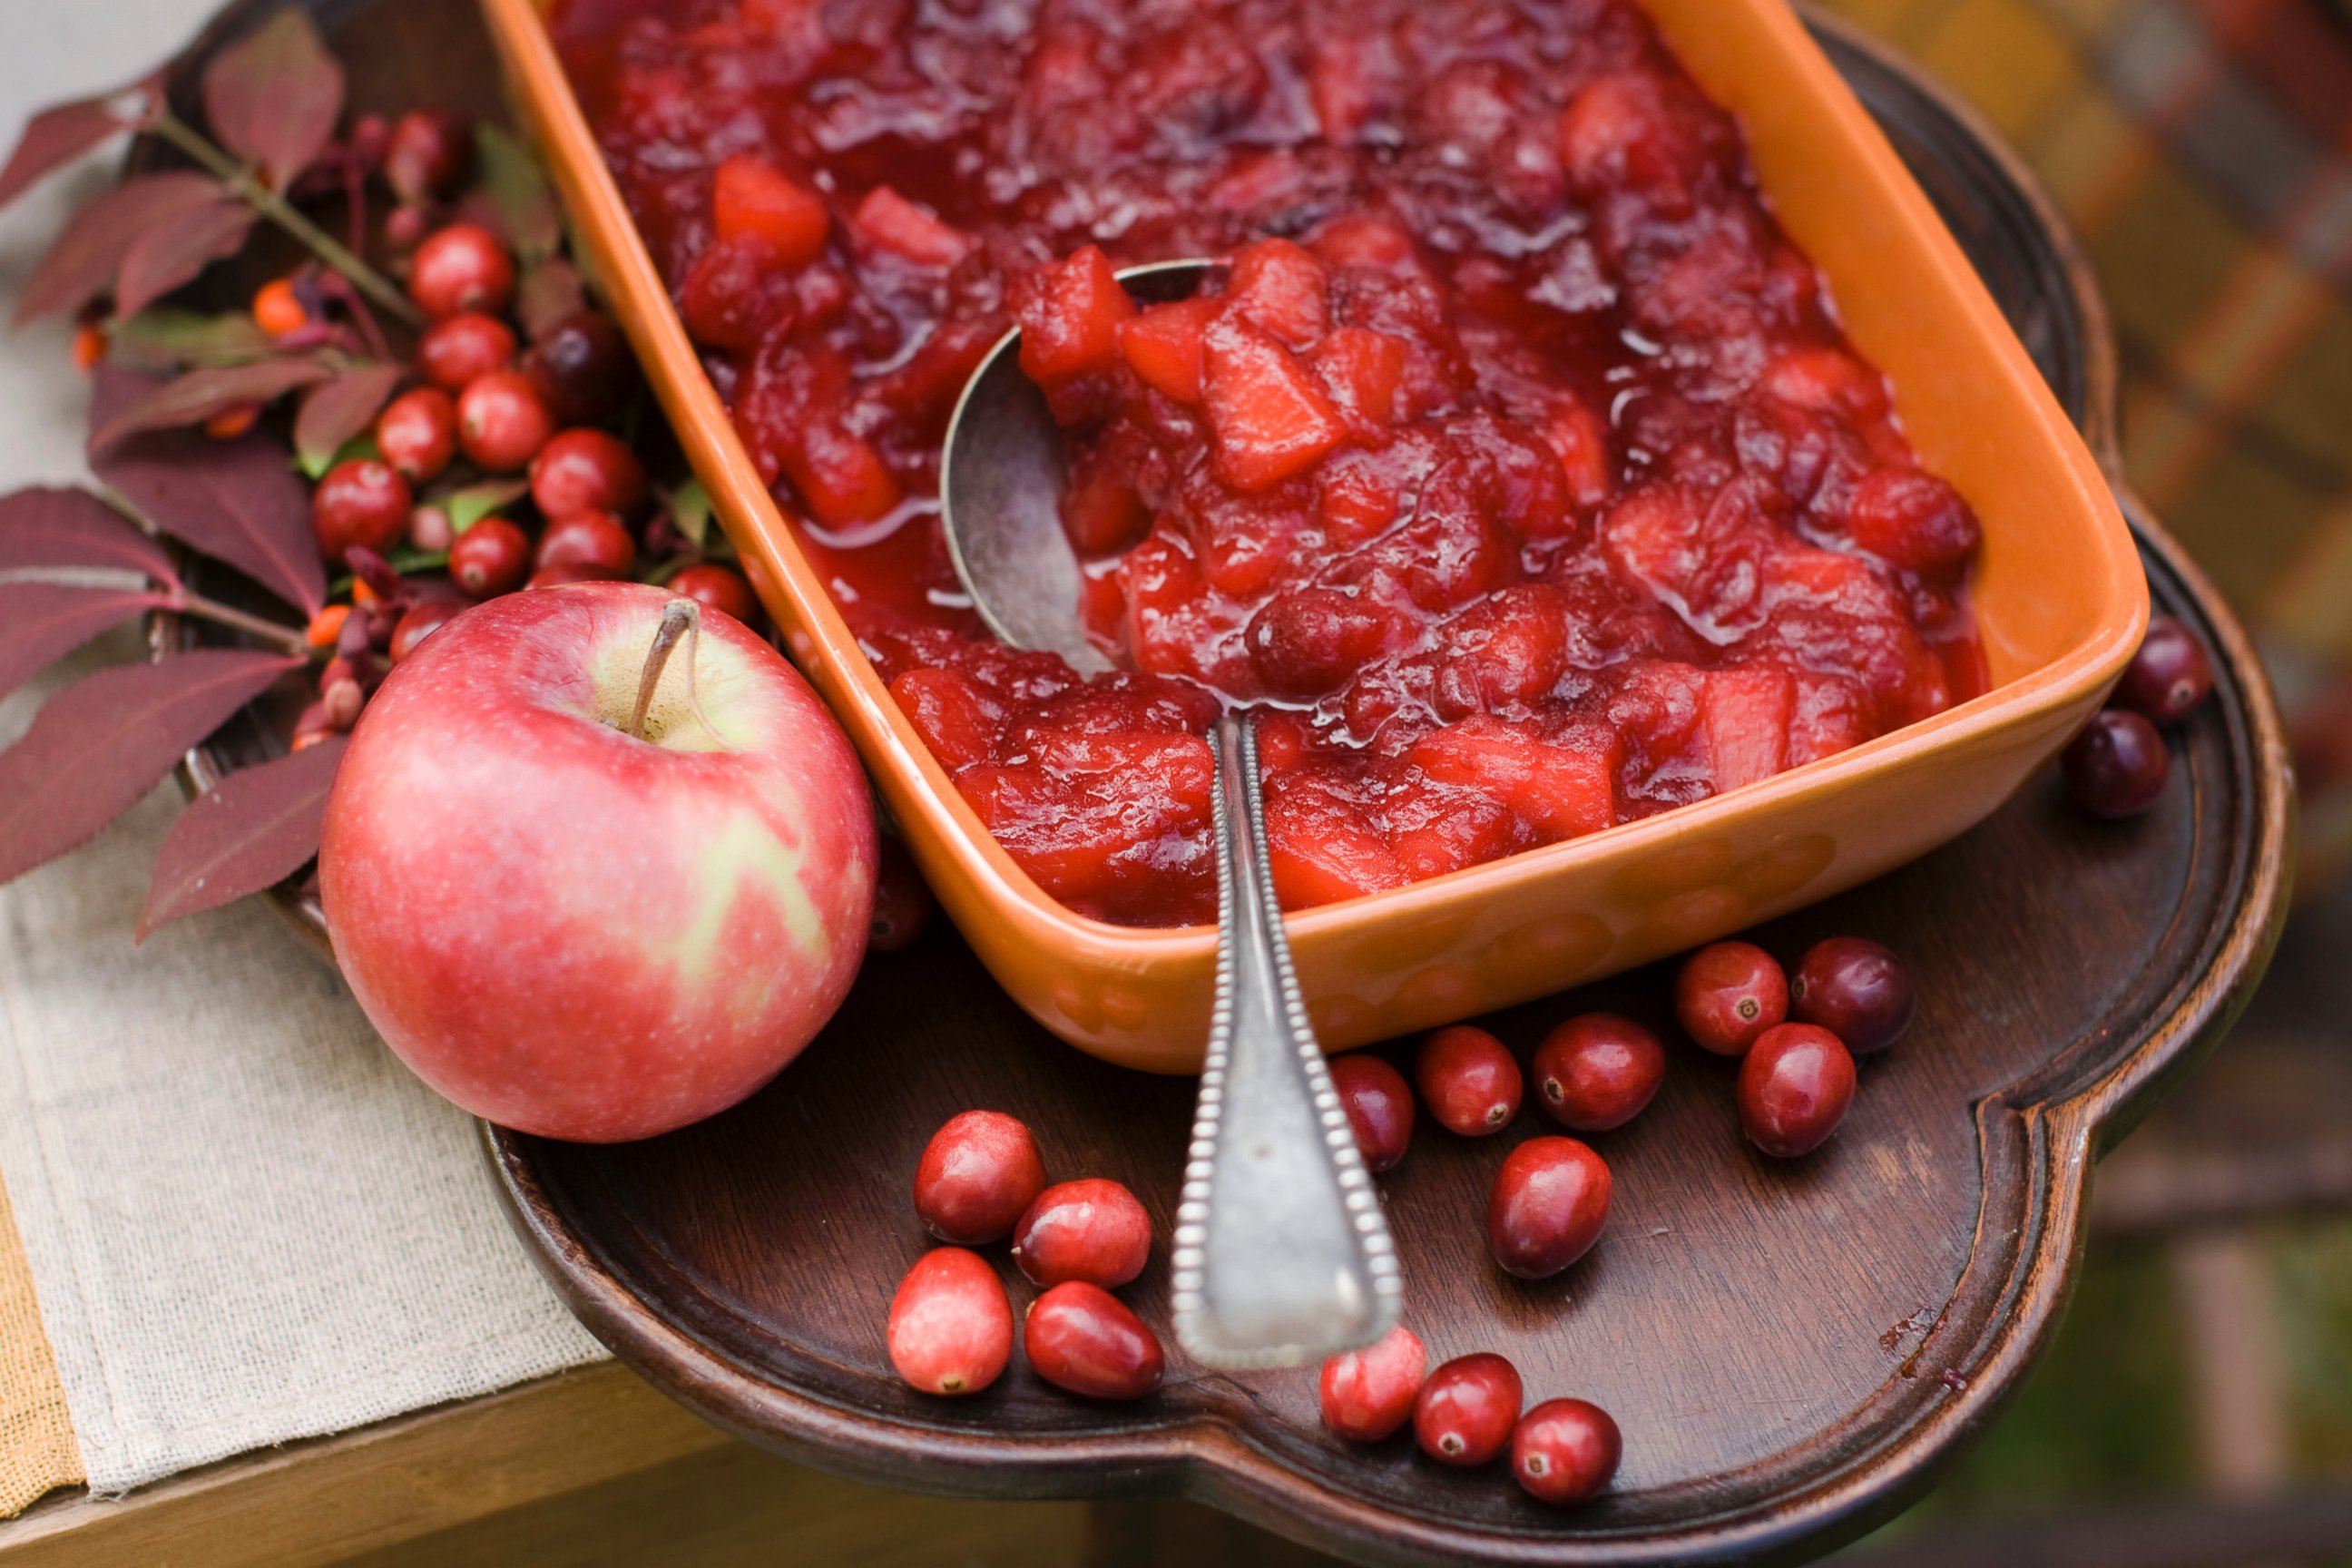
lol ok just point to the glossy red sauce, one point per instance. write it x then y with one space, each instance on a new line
1516 467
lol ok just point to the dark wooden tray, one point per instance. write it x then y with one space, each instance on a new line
1791 1349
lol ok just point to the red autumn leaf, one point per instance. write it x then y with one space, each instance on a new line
99 745
41 623
58 134
335 411
272 96
548 292
193 398
46 528
169 254
236 502
88 253
252 830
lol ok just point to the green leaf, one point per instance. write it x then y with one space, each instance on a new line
191 337
519 188
468 504
315 465
690 508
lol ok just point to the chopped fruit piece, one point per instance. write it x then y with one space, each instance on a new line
1361 369
1072 325
1915 521
895 224
1282 290
841 479
1163 345
752 202
959 723
1271 419
1744 714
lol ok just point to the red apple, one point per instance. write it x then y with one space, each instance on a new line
574 932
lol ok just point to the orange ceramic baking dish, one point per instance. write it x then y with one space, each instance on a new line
2060 602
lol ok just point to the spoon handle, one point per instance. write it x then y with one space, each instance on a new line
1282 1252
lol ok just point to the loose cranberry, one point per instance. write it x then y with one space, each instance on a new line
456 352
1728 994
593 540
1468 1080
585 470
277 310
429 529
2170 675
719 588
2117 766
420 621
979 1173
417 432
462 267
1857 990
581 366
1547 1206
360 502
426 154
1465 1412
1093 1230
902 900
1082 1338
502 422
1368 1395
341 699
490 558
1378 1105
1564 1451
1794 1088
951 1323
1598 1071
406 226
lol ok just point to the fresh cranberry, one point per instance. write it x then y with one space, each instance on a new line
951 1323
1547 1206
1468 1080
979 1173
1728 994
1093 1230
462 267
1857 990
430 530
717 587
360 502
2117 766
582 470
2170 675
426 154
502 422
490 558
1465 1412
1564 1451
419 621
455 352
1368 1395
417 432
581 364
596 541
1597 1071
405 225
1081 1336
1794 1088
1379 1104
902 900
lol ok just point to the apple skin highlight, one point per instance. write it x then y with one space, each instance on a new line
575 932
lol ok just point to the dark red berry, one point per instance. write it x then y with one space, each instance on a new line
1547 1206
1468 1080
2117 766
1379 1104
581 366
462 267
1857 990
1465 1410
2170 675
502 422
593 540
978 1175
1794 1088
951 1323
902 900
1093 1231
1564 1451
717 587
1368 1395
420 621
583 470
429 528
362 502
406 226
1082 1338
490 558
417 432
426 154
1598 1071
1728 993
458 352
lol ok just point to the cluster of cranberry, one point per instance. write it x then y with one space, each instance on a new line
2117 766
484 409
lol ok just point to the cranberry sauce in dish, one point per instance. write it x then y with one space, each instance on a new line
1514 465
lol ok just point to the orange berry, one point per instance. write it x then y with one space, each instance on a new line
327 626
277 310
362 594
231 423
88 346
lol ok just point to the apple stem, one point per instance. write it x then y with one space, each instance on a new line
679 617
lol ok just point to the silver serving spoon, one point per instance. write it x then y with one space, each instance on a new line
1282 1253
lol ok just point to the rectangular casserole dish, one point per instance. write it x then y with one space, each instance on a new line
2060 600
